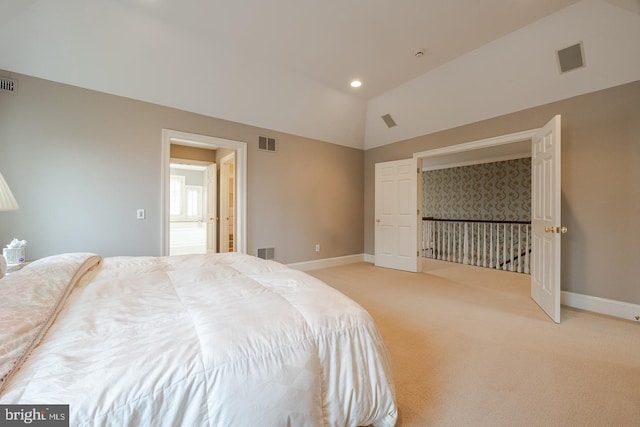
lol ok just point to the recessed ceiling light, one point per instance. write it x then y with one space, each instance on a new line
356 83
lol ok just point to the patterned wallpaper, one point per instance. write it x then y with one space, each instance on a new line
499 191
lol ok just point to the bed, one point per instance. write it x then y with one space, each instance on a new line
194 340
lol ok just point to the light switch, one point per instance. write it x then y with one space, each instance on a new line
141 214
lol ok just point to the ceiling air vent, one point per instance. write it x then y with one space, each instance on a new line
266 144
388 120
8 85
570 58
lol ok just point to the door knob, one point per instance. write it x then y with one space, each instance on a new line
562 230
377 220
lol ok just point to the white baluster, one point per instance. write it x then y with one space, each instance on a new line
460 243
432 239
527 260
484 244
439 228
452 242
499 252
504 247
490 245
511 249
519 249
441 241
425 239
478 253
456 242
497 246
466 244
448 241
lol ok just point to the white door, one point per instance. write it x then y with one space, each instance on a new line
546 228
227 203
396 215
211 214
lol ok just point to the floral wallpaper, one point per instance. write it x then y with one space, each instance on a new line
498 191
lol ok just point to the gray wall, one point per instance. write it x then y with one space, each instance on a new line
600 184
81 162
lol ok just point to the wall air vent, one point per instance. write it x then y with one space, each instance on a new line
570 58
8 85
388 120
267 253
266 144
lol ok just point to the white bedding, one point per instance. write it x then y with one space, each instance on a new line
208 340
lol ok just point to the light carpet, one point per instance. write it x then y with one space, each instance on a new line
469 347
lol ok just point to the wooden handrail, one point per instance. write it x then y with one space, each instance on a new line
488 221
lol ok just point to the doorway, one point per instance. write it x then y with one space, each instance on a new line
239 151
192 206
545 206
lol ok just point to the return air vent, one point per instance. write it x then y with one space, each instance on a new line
570 58
267 253
266 144
388 120
8 85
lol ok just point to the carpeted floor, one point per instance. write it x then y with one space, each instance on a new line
470 348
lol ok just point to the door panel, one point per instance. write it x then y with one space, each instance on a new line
545 218
211 214
396 215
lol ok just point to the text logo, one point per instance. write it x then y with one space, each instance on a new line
34 415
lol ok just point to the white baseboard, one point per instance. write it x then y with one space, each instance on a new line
370 258
609 307
327 262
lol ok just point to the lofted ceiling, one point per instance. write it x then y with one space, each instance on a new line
335 41
286 65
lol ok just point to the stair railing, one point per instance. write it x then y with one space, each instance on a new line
504 245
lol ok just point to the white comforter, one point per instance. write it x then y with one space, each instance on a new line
202 340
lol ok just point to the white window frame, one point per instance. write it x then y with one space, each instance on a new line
184 203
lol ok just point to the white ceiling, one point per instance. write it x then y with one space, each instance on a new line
286 64
334 41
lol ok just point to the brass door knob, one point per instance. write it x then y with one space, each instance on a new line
562 230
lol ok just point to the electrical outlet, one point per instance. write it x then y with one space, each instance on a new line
140 214
318 247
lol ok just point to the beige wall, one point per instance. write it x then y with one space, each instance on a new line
600 184
192 153
81 162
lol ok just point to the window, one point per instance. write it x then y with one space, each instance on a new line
176 186
194 201
185 201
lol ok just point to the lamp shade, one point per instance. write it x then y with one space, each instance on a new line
7 201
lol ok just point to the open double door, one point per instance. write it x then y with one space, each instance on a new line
398 222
